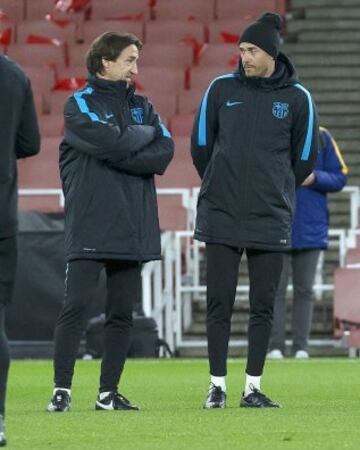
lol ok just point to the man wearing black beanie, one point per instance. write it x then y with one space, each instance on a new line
254 140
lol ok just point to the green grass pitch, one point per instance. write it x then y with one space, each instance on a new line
320 398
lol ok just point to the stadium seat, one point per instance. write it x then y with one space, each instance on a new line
45 28
57 101
166 81
228 9
43 170
167 55
226 31
94 28
353 256
346 302
201 77
201 10
189 101
165 105
219 54
14 9
37 9
7 34
51 125
110 9
173 31
38 55
181 125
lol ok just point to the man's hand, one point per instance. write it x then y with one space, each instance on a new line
309 180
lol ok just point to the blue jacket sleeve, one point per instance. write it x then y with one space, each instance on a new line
204 131
103 140
154 157
332 177
305 136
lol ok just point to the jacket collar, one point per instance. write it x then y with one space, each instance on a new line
284 75
117 89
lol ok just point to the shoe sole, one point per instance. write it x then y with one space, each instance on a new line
53 409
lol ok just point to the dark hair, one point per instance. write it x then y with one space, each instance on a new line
109 46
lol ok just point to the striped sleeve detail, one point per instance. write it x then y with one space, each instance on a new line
307 146
202 120
81 102
344 167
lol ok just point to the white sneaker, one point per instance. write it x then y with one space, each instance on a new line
301 354
275 354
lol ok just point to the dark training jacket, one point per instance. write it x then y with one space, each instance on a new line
19 138
254 140
114 144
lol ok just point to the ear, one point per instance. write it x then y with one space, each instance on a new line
105 63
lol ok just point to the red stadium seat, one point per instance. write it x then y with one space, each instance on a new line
220 54
166 81
167 55
201 77
51 125
174 30
38 55
94 28
14 9
57 101
189 101
7 34
110 9
181 125
165 105
201 10
42 171
346 303
45 28
228 9
226 31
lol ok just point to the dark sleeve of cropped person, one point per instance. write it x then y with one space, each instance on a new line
305 137
332 177
27 140
204 131
154 157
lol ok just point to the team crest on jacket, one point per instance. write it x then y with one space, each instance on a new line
280 110
137 114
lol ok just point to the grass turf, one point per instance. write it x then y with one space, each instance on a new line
320 398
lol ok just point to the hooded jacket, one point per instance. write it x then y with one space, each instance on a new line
311 219
254 140
114 144
19 138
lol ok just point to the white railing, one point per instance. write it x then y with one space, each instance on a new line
43 193
157 291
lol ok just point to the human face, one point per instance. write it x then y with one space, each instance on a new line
255 61
124 68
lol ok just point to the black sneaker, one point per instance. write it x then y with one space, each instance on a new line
257 400
115 402
216 398
2 432
60 402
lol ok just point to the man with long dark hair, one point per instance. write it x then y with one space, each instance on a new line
114 144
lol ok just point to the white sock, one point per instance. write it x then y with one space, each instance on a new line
102 395
218 381
62 389
251 383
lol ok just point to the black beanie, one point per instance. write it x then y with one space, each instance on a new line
264 33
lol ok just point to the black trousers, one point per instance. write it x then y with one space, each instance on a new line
123 279
8 259
222 277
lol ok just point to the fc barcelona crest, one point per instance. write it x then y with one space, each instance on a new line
138 115
280 110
